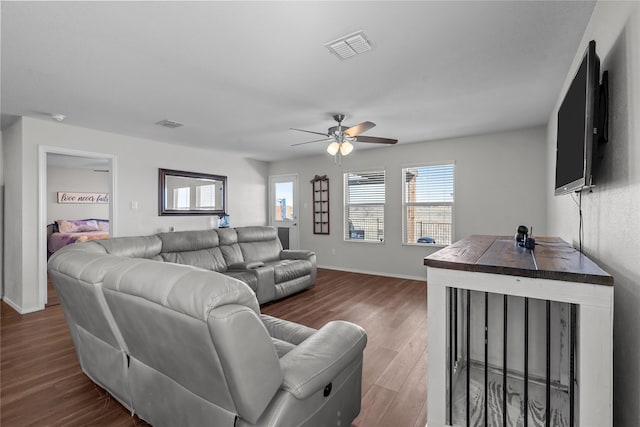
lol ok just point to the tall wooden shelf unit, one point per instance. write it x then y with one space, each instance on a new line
490 305
320 204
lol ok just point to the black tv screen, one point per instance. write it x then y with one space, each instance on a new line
576 119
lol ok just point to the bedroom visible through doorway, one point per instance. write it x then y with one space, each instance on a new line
76 204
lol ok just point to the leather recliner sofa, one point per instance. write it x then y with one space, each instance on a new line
181 345
253 255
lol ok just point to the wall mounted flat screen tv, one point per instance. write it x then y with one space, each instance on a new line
579 127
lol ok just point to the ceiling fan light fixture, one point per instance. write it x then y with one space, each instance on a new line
333 148
342 138
345 148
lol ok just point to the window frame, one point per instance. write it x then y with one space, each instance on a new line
405 205
345 205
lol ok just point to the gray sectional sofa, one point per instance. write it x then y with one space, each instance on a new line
182 343
253 255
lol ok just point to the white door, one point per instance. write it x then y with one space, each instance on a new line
283 208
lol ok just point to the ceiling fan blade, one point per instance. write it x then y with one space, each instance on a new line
309 142
310 131
360 128
376 140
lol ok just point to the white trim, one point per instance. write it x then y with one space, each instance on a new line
364 242
19 309
436 163
368 169
43 150
427 245
375 273
520 286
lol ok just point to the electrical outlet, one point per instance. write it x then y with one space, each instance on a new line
333 251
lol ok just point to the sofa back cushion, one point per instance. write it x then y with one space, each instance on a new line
229 246
132 247
259 243
199 248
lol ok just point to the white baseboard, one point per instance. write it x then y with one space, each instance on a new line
374 273
19 309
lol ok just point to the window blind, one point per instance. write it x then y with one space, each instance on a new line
364 198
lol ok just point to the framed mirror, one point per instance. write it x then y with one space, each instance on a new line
191 193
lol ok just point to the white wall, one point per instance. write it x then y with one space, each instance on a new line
137 163
612 211
75 180
1 217
13 272
500 184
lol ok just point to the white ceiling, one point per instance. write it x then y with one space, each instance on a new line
240 74
77 162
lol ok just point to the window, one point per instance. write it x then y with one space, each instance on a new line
427 195
284 201
206 196
181 197
364 206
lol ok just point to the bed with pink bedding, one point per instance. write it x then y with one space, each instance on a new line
65 232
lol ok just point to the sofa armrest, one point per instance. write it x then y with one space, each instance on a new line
317 360
296 254
247 265
285 330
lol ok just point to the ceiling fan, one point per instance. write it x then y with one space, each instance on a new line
341 138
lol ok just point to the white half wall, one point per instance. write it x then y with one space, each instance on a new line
138 161
500 183
612 211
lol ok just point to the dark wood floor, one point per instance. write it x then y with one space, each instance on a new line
52 297
42 384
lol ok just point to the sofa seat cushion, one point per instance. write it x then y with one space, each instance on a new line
289 269
248 277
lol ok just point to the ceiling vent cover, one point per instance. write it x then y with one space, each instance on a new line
170 124
349 45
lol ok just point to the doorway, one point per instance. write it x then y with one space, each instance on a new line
283 209
56 157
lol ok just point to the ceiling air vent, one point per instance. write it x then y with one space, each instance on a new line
170 124
349 45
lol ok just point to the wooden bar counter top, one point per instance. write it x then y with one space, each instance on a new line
552 259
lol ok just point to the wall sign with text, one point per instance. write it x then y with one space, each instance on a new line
69 197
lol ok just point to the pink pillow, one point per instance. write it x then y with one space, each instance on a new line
77 226
91 225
